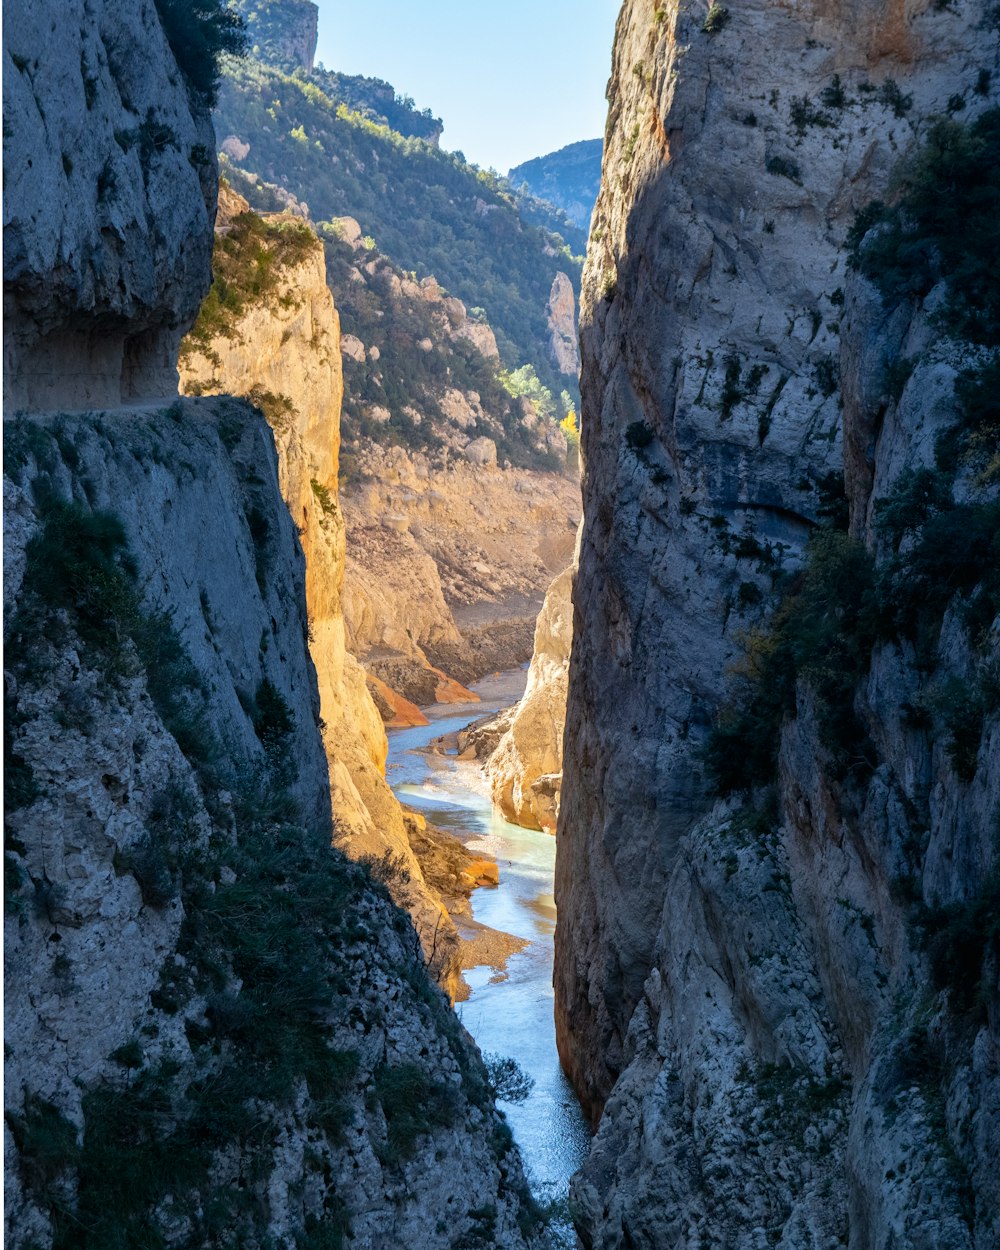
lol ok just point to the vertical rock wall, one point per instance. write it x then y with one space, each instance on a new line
735 987
218 1030
525 769
109 195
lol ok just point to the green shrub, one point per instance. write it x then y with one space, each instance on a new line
79 562
413 1105
893 98
153 864
273 720
782 167
977 392
962 711
941 223
963 942
833 95
732 392
916 495
46 1142
508 1080
638 435
199 33
821 633
955 552
716 19
279 411
805 114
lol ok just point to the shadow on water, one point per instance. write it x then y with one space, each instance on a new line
510 1011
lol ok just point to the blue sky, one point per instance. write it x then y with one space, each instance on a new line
511 79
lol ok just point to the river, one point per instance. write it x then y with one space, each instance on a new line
510 1013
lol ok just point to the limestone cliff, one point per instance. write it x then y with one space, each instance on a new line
447 565
562 326
525 767
754 994
214 1023
283 350
109 194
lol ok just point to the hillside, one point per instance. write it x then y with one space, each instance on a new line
430 211
569 179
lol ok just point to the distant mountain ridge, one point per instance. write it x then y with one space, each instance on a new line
569 178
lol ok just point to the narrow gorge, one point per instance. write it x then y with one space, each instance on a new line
400 849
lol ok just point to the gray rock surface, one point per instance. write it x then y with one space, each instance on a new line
98 945
562 326
525 765
740 996
109 196
217 1029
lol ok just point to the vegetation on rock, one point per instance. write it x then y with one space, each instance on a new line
941 223
248 264
428 210
200 33
277 932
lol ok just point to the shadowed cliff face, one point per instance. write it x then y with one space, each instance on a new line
703 957
110 185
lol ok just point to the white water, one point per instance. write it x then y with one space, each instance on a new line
508 1014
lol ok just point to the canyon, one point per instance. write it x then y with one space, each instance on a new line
284 467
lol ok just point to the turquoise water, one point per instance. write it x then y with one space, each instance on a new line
508 1014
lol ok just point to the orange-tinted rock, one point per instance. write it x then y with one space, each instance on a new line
396 712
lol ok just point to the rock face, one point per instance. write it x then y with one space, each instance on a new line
447 563
109 195
283 32
285 353
562 326
148 755
525 768
743 997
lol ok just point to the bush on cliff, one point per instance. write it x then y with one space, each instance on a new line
942 223
821 634
248 264
200 32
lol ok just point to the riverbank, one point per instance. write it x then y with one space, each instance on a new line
509 1009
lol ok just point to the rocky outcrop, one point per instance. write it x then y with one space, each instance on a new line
164 741
562 326
525 767
284 352
109 195
744 998
217 1028
282 32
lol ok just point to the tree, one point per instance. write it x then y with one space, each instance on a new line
199 33
508 1080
